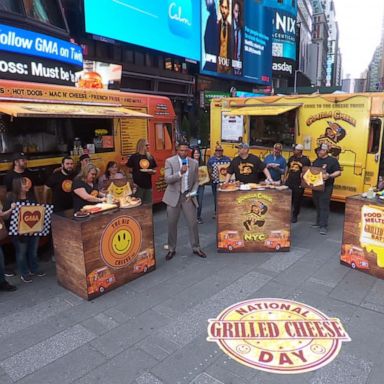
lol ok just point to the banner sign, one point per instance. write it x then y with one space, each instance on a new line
29 43
30 219
25 68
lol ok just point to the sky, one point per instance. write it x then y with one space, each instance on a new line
360 24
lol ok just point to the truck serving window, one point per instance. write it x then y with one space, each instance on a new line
163 136
265 131
45 137
374 136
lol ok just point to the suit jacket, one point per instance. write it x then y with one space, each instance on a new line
173 180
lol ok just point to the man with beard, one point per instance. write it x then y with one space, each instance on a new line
20 170
60 182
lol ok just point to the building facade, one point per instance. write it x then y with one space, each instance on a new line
320 40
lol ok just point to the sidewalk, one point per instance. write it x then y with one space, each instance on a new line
154 329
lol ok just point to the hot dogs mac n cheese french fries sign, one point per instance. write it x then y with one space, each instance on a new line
30 219
277 335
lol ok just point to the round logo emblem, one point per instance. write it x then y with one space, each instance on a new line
277 335
27 181
66 186
144 163
120 242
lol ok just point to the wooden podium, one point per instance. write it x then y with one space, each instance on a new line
104 251
363 235
254 221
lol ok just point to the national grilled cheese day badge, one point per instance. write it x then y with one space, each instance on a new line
277 335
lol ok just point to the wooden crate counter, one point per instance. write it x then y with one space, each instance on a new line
104 251
254 221
363 235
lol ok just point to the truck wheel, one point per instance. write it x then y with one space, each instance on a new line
101 289
230 248
277 247
353 265
145 269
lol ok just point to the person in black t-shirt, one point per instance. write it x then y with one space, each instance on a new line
293 178
246 167
84 190
142 165
61 184
322 199
19 171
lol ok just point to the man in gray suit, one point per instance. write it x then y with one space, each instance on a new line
181 176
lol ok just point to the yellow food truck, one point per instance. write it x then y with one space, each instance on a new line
351 125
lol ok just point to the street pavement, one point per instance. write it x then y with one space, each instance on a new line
154 329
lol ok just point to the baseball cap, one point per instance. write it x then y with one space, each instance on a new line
299 147
19 155
278 146
242 146
324 147
85 156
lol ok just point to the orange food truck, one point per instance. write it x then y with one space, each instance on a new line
354 256
47 122
99 280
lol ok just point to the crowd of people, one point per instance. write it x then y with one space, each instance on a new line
67 187
74 187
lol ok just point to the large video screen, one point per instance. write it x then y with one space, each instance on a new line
237 40
170 26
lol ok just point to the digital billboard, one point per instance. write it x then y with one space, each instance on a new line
170 26
236 40
283 37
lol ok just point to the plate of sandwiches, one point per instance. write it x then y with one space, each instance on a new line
81 215
96 208
129 202
229 187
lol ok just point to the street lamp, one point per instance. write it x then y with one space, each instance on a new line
295 82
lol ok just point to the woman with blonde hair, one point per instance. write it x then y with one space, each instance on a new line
84 190
142 165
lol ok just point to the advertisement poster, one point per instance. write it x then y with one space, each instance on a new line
170 26
363 236
232 128
236 40
262 222
98 75
283 37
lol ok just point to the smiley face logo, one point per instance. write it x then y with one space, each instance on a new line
120 242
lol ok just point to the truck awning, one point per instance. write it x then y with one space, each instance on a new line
20 109
262 110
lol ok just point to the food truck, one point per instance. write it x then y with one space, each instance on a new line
47 122
351 125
